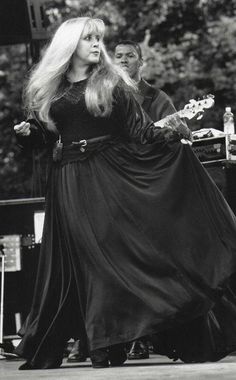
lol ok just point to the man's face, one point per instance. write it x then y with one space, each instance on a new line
127 57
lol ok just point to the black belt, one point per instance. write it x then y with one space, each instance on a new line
88 143
81 149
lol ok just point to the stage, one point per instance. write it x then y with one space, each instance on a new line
157 367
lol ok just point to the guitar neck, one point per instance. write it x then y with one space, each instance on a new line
192 109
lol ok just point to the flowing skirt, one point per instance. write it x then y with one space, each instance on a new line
138 241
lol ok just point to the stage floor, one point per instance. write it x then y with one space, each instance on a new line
157 367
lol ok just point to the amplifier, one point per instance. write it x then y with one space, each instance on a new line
210 149
21 225
11 245
22 21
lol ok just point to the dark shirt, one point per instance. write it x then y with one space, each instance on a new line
155 102
73 120
128 120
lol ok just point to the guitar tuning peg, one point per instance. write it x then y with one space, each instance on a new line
200 117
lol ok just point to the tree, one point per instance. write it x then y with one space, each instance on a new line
188 47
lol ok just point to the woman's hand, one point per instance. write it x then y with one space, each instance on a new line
22 129
175 123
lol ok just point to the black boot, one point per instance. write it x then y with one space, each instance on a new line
99 358
139 350
117 355
79 352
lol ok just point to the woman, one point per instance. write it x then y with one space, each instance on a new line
137 238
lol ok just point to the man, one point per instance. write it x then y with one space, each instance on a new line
158 105
155 102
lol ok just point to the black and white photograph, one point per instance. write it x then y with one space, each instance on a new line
117 189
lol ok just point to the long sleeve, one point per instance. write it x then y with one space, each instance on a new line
136 123
162 106
154 101
39 136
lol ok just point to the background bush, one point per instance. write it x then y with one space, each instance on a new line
189 50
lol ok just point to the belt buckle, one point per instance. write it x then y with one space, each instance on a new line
83 144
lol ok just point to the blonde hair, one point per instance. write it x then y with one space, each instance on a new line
44 85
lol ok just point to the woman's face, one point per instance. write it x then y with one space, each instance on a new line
89 48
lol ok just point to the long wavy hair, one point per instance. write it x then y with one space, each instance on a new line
44 85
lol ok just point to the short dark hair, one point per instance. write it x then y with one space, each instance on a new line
132 43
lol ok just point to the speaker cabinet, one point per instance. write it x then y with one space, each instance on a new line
230 172
18 220
224 175
22 21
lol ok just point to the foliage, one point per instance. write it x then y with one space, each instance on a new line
14 167
188 48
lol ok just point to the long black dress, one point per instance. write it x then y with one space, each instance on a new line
137 241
